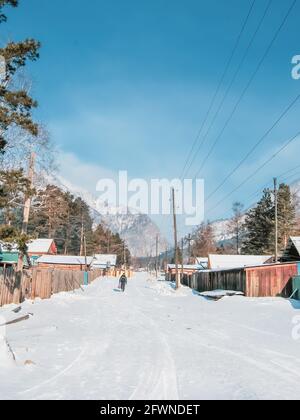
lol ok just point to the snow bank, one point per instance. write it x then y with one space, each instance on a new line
219 294
6 358
167 288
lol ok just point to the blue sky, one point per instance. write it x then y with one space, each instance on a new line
126 85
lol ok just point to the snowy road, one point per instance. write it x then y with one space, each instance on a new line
151 343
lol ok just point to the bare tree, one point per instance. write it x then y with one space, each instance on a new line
236 225
204 241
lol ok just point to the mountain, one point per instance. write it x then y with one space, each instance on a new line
138 230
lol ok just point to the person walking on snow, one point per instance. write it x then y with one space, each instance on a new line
123 282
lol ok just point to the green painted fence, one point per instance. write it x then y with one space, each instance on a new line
296 288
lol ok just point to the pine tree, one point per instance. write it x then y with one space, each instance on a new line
259 226
48 216
260 222
106 242
16 105
13 186
286 215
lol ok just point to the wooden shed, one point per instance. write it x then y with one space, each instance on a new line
258 281
187 270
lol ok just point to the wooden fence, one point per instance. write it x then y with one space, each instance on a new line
39 283
269 280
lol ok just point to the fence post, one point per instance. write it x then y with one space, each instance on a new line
86 278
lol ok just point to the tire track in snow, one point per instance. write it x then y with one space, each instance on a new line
162 382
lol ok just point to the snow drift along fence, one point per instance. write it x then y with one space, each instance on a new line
39 283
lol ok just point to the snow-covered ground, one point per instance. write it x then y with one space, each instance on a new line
151 343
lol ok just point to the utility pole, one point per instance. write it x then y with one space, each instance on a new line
175 239
82 236
182 251
124 257
86 276
156 258
108 245
167 258
189 249
276 219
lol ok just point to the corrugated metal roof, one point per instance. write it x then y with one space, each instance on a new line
236 261
40 246
9 257
64 260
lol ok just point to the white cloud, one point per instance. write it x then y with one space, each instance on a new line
82 174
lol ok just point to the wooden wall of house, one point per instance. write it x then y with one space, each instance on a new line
264 281
62 267
271 281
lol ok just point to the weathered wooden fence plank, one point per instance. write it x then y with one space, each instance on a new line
40 283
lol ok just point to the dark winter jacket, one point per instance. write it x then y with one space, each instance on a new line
123 279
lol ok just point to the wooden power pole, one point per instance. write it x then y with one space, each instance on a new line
189 250
86 275
182 251
156 256
175 240
124 257
276 219
82 236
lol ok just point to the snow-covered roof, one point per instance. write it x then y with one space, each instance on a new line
185 267
64 260
236 261
105 260
40 246
8 248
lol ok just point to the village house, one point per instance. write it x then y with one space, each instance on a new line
64 262
36 248
104 262
39 247
264 280
216 262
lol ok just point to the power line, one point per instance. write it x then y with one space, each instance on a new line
263 187
257 170
232 82
283 114
214 97
247 87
